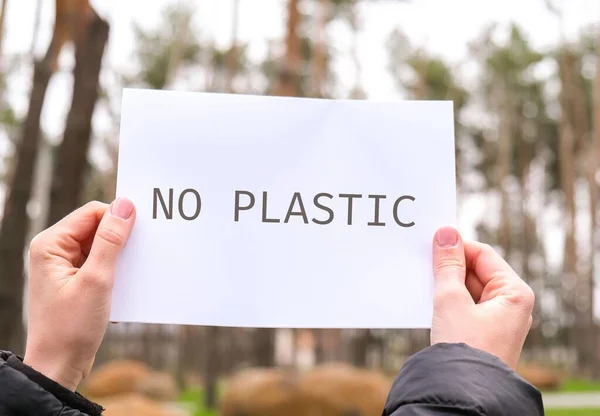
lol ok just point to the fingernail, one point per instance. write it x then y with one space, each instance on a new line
122 208
447 237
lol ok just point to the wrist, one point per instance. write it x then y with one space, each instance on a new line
61 373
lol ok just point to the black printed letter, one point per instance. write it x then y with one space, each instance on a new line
400 223
376 219
264 211
350 197
236 215
168 212
324 208
291 212
198 204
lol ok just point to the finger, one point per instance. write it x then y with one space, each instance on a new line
449 264
82 223
110 238
474 285
66 238
486 263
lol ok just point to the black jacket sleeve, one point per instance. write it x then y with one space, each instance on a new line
24 391
454 379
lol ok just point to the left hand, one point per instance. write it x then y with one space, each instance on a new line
71 275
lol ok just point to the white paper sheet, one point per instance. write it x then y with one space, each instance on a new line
273 267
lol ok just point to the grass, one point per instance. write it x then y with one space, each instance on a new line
579 386
195 398
573 412
576 386
192 395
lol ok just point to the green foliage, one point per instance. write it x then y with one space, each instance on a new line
9 122
428 78
220 59
510 89
510 61
346 10
308 49
8 117
176 45
578 55
162 51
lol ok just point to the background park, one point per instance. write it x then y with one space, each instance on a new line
524 77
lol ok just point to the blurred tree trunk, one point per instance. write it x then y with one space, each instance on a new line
586 342
576 102
357 90
567 175
177 50
505 158
147 338
2 20
360 351
319 336
211 372
41 183
318 58
595 177
594 194
232 54
182 370
36 27
567 180
592 168
15 221
67 181
294 346
528 238
264 347
529 243
288 83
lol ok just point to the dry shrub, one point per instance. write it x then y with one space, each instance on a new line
257 391
541 377
136 405
159 386
350 390
333 390
115 378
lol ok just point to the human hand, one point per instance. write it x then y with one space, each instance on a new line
479 300
71 275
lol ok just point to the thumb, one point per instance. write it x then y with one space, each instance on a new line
449 265
110 238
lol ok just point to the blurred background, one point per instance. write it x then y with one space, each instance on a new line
524 77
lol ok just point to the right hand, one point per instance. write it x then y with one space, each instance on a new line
479 300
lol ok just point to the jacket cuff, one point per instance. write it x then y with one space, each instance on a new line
68 398
457 376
